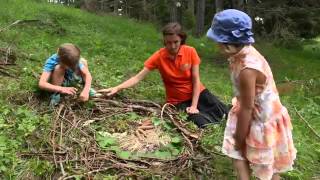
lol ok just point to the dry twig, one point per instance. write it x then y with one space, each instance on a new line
307 123
75 143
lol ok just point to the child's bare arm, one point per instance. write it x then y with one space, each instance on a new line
84 96
45 85
247 83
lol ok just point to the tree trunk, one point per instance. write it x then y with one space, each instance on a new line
173 11
219 5
191 8
146 12
238 4
191 5
115 7
201 4
90 5
189 16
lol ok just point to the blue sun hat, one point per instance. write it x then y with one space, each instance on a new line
231 26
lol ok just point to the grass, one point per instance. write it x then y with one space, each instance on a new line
116 48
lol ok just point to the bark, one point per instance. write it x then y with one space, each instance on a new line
173 10
201 4
219 5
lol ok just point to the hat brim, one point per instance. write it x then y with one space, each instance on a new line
211 35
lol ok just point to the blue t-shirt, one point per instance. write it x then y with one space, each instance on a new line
53 61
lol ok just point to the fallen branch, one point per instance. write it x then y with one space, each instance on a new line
6 73
60 144
53 134
18 22
144 102
7 64
137 107
207 151
87 173
180 126
164 107
307 123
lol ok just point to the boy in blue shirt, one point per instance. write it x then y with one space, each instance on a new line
62 70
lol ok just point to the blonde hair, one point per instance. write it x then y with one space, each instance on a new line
69 55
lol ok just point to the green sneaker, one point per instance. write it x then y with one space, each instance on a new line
55 99
92 92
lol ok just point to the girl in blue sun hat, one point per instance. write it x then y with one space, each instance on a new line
231 26
258 130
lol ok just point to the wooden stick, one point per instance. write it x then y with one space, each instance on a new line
60 143
53 138
164 107
144 101
18 22
175 123
138 107
188 142
7 64
307 123
6 73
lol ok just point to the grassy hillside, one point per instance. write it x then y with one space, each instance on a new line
116 49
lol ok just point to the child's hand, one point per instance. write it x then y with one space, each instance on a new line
192 110
84 96
68 90
109 91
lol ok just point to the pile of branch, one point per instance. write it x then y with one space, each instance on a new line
73 148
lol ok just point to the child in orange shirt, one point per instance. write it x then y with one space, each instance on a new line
258 131
178 65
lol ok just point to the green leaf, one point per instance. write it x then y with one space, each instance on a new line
162 154
168 126
175 152
124 154
156 121
176 140
106 141
115 148
78 177
132 116
3 168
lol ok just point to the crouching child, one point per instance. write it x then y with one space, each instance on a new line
63 72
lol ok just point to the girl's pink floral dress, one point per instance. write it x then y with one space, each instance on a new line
270 146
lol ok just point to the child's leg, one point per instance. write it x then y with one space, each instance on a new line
242 169
276 177
57 76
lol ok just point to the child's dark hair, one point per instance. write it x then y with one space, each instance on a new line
174 28
69 54
235 45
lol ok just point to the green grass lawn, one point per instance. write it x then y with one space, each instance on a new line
116 48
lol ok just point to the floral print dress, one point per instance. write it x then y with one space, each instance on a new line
269 144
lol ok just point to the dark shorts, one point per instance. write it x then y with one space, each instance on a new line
211 109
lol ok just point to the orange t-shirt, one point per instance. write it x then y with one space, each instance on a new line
176 74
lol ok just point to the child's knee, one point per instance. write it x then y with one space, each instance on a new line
58 70
57 75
